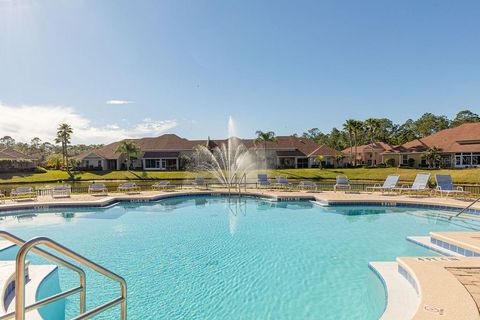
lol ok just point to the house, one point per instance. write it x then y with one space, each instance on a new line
167 151
367 154
459 148
12 160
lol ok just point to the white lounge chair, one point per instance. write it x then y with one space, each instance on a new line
342 182
263 181
98 189
282 182
419 184
307 185
445 185
129 187
23 193
389 184
61 191
162 185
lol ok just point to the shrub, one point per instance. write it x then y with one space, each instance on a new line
40 170
411 162
390 162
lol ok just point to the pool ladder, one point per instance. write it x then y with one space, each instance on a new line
239 182
31 245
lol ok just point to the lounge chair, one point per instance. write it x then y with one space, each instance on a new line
24 193
97 188
389 184
162 185
419 184
282 182
445 186
61 191
2 197
129 187
307 185
263 181
342 182
199 182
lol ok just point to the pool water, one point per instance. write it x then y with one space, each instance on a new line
213 258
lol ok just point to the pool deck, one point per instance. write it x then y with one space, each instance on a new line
326 197
437 287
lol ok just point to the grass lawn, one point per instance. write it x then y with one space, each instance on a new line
465 176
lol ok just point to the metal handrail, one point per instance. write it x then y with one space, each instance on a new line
20 279
465 209
82 279
243 178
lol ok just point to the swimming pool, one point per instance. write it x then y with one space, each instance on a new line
205 257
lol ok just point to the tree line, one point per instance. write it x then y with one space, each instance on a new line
54 154
356 132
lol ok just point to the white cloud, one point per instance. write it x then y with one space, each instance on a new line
119 102
26 122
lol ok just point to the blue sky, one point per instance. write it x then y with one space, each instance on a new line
186 66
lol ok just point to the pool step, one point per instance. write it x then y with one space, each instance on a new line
36 274
456 244
4 245
426 242
402 299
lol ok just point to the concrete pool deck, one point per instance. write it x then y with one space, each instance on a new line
326 197
443 287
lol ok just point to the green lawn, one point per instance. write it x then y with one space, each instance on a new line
466 176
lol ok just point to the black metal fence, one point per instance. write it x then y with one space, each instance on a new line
146 185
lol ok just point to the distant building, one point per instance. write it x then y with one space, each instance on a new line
367 154
459 148
165 153
12 160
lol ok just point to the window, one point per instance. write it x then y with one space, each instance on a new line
302 162
458 160
405 159
475 159
152 163
169 164
467 159
99 163
87 163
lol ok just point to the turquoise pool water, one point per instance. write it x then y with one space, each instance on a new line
211 258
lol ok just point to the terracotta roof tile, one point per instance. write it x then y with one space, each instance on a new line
172 142
464 138
11 154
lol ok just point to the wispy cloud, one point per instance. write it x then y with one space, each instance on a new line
28 121
119 102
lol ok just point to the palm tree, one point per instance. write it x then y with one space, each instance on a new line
353 127
348 127
432 155
64 134
264 137
129 149
338 158
319 160
372 126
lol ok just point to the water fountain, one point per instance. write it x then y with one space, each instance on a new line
229 163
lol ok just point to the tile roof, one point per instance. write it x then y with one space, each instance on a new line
11 154
464 138
172 142
378 147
